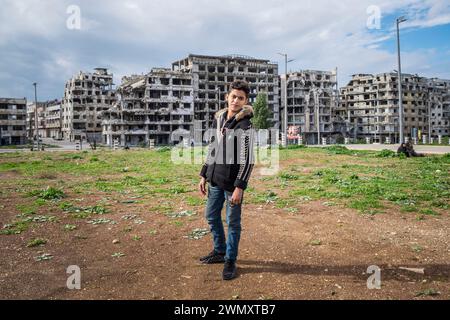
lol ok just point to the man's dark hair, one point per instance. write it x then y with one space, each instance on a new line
240 85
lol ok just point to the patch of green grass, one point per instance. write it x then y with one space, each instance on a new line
117 255
311 192
293 147
70 227
162 208
21 225
50 193
109 186
288 176
43 257
184 213
284 203
97 209
429 212
422 183
408 208
385 153
163 149
131 181
177 189
428 292
16 227
83 212
27 209
266 197
197 233
74 157
39 202
81 215
338 150
366 205
157 181
101 221
440 204
36 242
195 201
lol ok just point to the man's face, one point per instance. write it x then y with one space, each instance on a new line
236 100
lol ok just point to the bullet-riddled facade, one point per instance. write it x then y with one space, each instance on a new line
158 106
439 107
211 76
49 119
369 106
13 113
311 101
86 95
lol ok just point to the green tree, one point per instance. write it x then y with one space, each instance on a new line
261 113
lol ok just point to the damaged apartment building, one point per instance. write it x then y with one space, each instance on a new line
438 107
49 120
13 113
86 95
311 100
212 74
369 107
158 106
164 104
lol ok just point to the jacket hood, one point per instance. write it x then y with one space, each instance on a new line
246 111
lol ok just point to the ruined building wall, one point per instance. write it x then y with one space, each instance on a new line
211 76
439 107
86 95
369 106
157 106
311 100
49 119
13 114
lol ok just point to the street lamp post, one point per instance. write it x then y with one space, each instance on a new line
399 72
286 61
36 115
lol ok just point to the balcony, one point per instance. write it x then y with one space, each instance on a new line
13 122
13 111
11 133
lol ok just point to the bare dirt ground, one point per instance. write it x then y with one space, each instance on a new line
319 252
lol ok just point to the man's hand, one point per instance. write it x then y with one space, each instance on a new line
202 186
236 197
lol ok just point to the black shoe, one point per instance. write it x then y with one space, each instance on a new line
213 257
229 270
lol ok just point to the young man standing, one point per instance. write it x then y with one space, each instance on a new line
227 170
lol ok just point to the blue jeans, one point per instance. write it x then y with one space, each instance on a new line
216 198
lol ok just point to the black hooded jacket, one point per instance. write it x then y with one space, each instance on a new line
230 153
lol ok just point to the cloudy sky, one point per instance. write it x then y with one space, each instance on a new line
42 41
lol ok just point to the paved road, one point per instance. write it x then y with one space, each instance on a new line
430 149
63 146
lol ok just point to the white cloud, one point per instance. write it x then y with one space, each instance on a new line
133 36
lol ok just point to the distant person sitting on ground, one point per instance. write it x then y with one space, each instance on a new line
411 152
408 150
402 149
